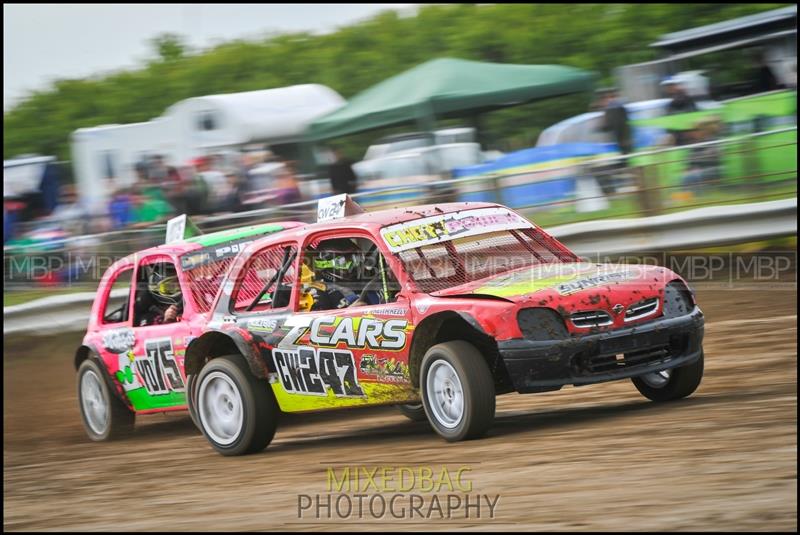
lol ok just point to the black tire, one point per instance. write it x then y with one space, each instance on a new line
191 399
477 387
413 412
683 381
259 410
119 419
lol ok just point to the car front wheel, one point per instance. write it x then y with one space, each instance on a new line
667 385
457 391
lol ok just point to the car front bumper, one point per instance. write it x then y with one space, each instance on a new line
540 366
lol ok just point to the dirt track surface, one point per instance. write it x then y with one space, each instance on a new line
594 458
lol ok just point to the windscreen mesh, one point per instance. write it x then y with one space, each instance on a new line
444 265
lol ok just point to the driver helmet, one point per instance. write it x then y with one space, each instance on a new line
340 261
163 284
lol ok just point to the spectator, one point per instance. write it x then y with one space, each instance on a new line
149 204
614 124
615 120
286 185
215 181
121 209
704 161
231 196
70 214
765 78
343 179
172 181
681 101
195 189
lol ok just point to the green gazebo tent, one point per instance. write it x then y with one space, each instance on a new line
445 88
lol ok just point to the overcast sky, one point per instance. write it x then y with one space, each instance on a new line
50 41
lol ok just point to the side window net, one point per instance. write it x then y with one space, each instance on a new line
262 270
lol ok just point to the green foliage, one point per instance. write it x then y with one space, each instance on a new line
597 37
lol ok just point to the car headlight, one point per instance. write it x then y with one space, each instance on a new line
541 324
678 300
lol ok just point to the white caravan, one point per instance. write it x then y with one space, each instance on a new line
104 157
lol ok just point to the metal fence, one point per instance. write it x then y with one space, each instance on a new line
743 169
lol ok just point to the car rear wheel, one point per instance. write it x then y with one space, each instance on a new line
415 412
457 391
104 416
237 412
667 385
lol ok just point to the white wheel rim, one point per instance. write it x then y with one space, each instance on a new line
657 379
220 408
94 403
445 394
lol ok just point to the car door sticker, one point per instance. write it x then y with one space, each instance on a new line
308 370
119 340
158 369
315 353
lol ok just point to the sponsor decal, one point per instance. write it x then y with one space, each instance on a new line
208 255
353 333
386 370
389 311
262 324
119 340
440 228
572 287
565 279
158 369
126 376
312 371
194 260
359 333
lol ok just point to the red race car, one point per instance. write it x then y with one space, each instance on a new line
436 308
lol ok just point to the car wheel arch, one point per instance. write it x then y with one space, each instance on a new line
213 344
447 326
82 353
88 351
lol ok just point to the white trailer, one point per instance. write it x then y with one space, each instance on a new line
104 157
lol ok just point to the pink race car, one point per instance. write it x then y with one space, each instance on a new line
437 309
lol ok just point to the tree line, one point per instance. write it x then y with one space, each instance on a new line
597 37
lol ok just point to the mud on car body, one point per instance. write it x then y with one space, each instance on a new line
469 300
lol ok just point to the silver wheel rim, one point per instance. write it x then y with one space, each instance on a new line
220 407
445 394
94 403
657 379
413 407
